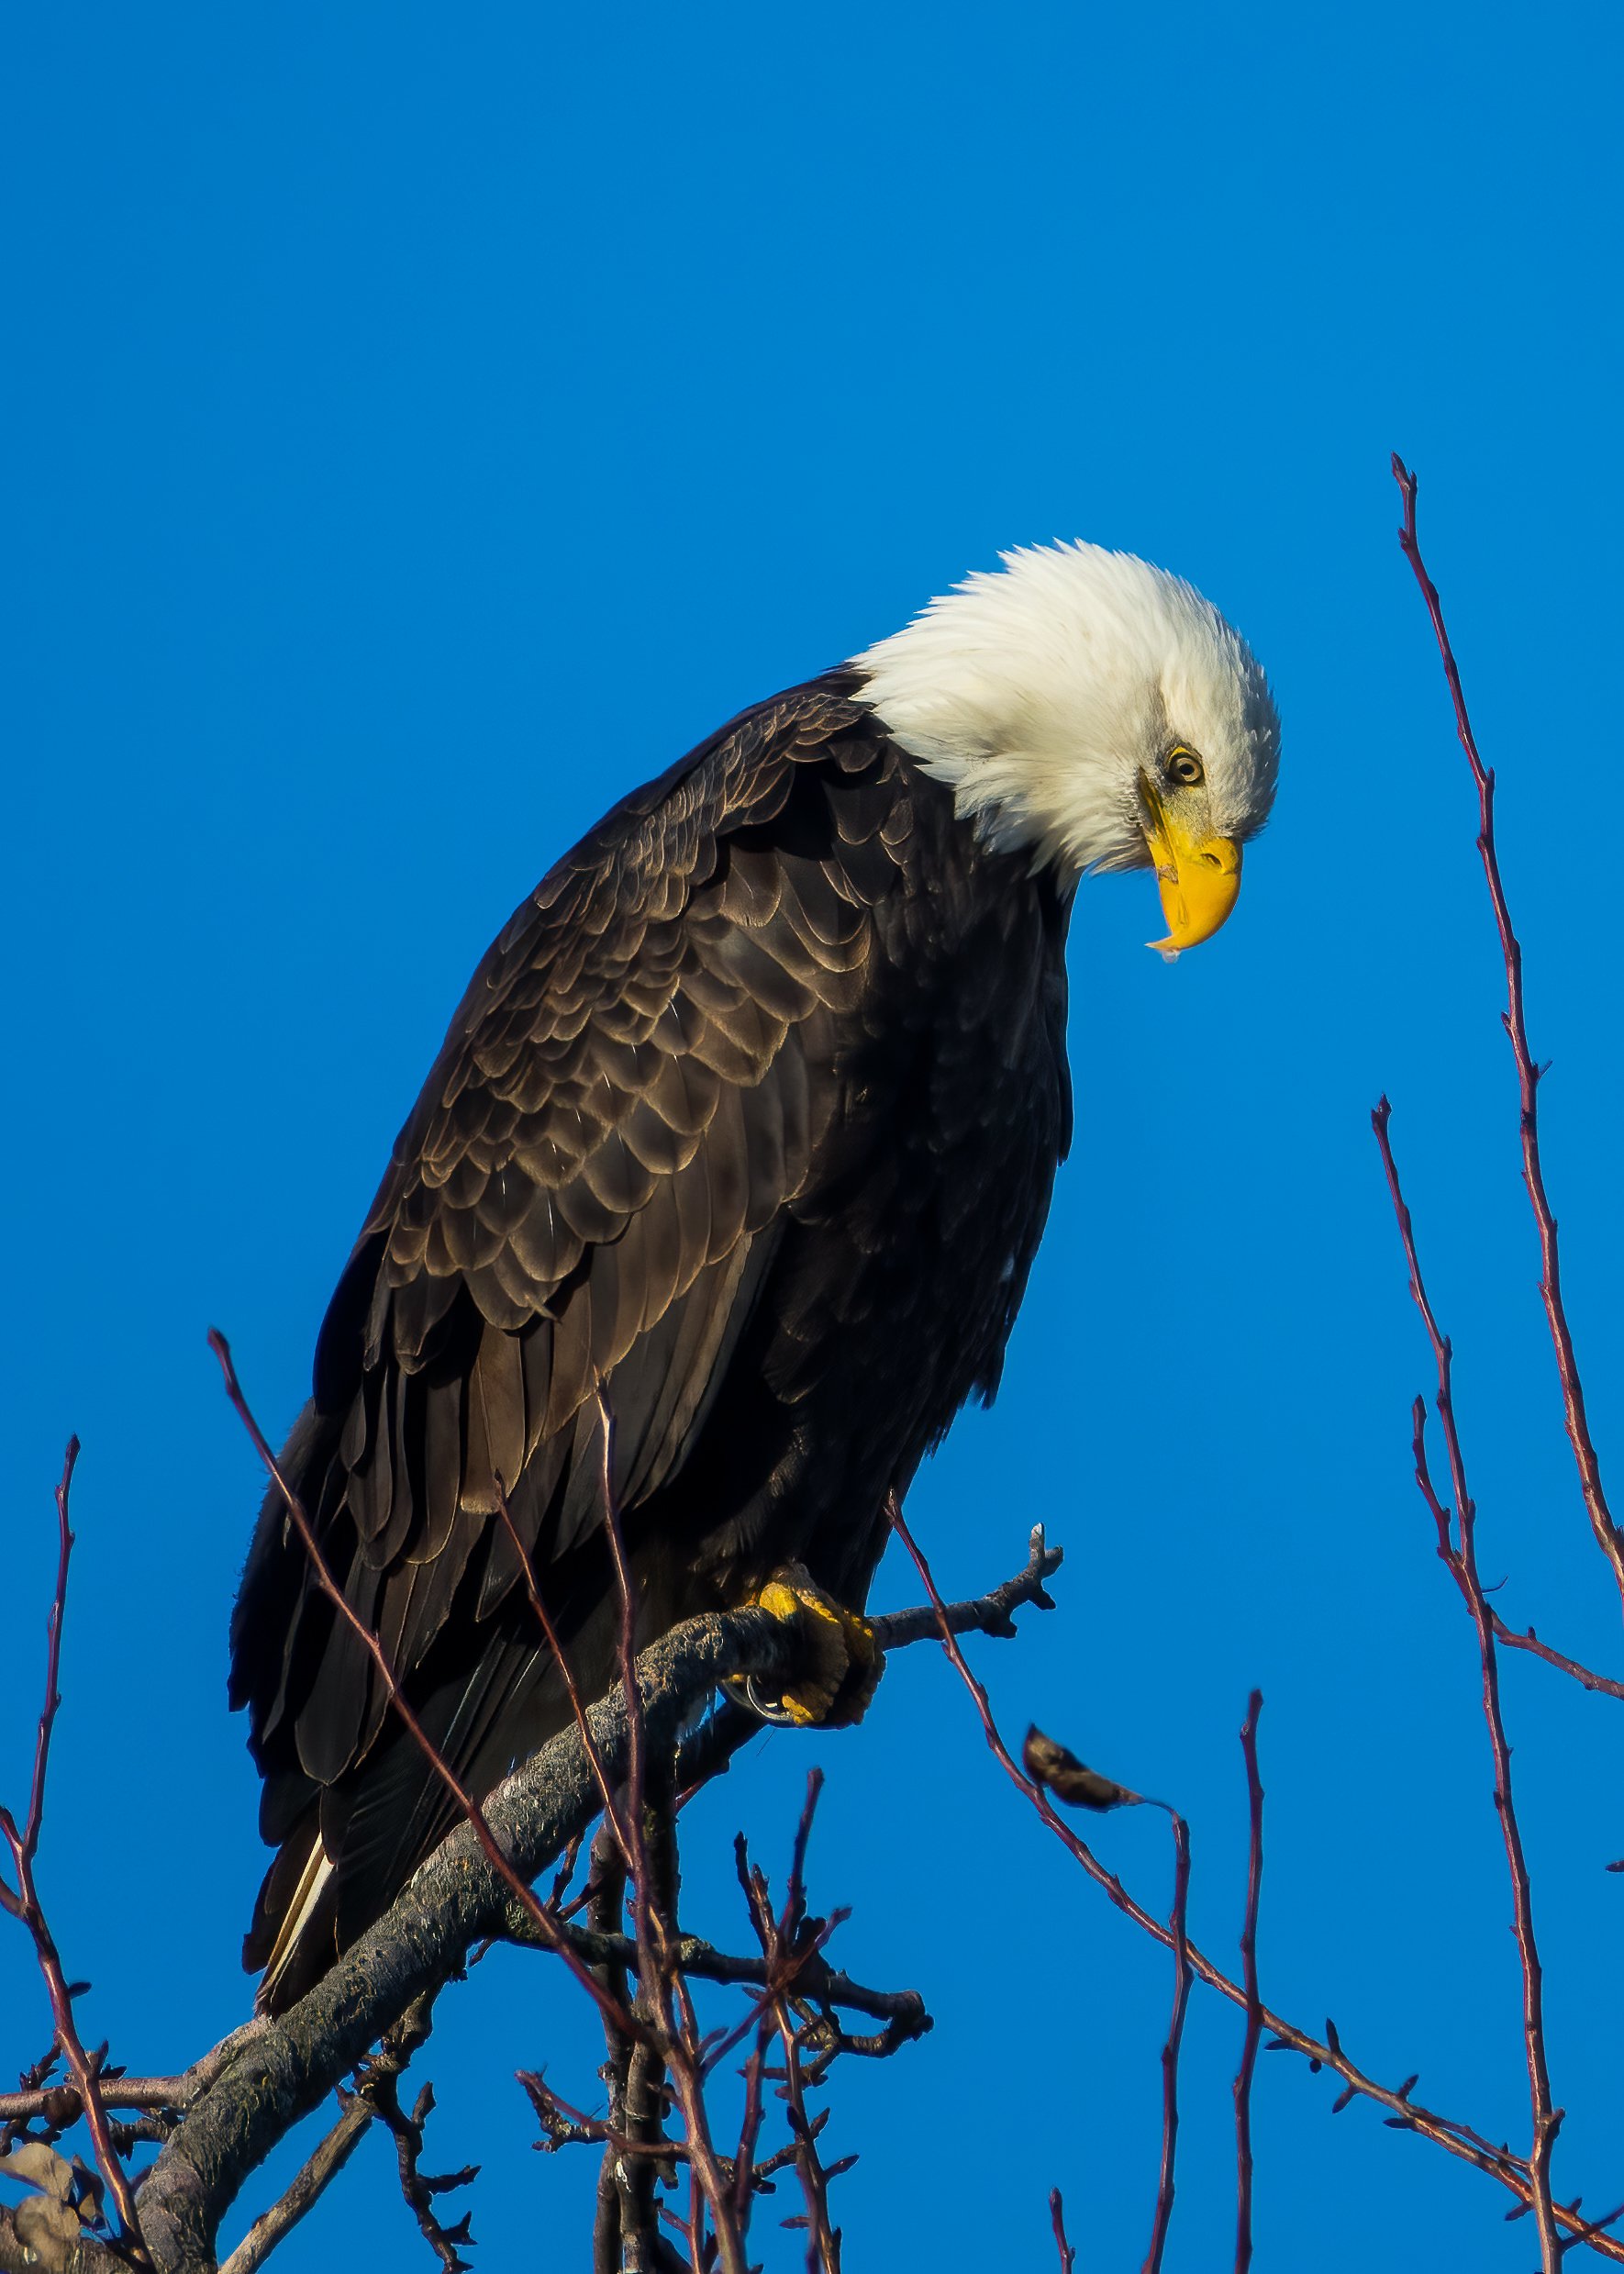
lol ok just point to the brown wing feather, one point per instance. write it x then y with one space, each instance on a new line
631 1093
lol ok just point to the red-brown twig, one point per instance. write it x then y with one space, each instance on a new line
1178 1925
634 2066
1460 1555
550 1635
778 1938
1404 2112
567 2126
635 1838
1249 1967
664 1990
782 1979
1586 1676
749 2122
1057 2220
24 1905
1529 1072
1592 2228
625 2220
53 1656
526 1895
163 2096
823 2237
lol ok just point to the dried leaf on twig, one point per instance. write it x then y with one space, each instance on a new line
68 2196
1049 1763
39 2167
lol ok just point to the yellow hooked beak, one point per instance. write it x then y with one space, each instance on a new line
1199 876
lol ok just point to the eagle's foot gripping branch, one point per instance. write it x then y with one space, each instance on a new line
845 1662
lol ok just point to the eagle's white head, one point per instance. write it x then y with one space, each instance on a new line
1096 711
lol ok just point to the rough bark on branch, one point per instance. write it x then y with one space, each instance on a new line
454 1901
281 2071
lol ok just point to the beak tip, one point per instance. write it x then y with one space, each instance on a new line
1198 894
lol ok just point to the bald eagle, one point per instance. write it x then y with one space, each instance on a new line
750 1115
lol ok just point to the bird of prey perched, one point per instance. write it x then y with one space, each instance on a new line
750 1116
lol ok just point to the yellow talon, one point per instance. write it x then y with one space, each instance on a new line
847 1662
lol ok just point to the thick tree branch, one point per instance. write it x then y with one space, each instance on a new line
455 1899
284 2070
358 2111
225 2113
311 2181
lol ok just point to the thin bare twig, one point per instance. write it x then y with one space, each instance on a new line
1178 1924
1405 2112
1460 1555
781 1982
24 1905
637 1852
808 1974
1592 2228
166 2096
555 1648
1586 1676
564 2125
625 2216
778 1938
1249 1966
1057 2220
664 1990
53 1661
784 1951
1529 1072
755 2108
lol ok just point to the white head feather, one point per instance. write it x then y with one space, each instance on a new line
1042 691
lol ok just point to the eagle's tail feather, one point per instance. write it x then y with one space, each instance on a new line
303 1908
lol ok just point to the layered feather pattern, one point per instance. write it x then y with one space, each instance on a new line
752 1113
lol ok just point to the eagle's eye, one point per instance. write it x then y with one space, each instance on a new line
1184 768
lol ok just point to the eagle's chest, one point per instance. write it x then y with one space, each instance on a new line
898 1263
910 1251
969 1077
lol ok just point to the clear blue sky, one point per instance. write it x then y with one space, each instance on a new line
421 424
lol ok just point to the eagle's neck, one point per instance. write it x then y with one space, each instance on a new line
1068 808
1025 692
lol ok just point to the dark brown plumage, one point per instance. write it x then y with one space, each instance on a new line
754 1109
